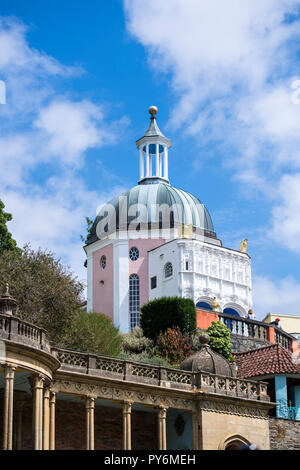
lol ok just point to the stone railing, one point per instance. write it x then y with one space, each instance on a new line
22 332
114 368
255 329
283 338
244 327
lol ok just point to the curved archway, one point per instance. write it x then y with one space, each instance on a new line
240 311
234 442
231 311
203 304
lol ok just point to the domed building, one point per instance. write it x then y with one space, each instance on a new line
156 240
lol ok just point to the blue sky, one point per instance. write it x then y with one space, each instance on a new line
80 77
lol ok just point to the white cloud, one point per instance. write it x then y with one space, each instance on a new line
282 296
41 126
285 227
232 65
70 128
53 217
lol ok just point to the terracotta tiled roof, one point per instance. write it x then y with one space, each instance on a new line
273 359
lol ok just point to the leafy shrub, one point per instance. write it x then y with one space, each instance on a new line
160 314
146 358
174 346
195 339
135 342
95 333
220 339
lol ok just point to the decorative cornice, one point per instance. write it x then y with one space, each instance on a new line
233 409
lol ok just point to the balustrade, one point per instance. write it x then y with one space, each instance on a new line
159 375
254 329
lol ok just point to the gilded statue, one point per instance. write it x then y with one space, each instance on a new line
244 245
215 305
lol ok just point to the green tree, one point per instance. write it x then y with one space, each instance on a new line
48 294
6 240
220 339
89 225
167 312
93 332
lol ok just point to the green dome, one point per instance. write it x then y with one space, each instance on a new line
148 201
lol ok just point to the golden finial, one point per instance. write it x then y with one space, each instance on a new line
244 245
153 110
215 304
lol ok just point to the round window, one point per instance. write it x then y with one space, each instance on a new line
134 254
103 262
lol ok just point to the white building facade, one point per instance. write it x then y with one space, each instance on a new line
201 271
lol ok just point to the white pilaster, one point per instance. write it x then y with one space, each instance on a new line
147 161
121 285
166 164
157 160
89 282
141 163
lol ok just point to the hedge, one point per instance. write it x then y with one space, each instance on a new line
167 312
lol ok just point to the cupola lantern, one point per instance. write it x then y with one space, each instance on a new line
153 147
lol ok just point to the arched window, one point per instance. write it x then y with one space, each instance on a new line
134 300
168 270
231 311
203 305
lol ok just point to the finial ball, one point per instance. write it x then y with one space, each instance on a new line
153 110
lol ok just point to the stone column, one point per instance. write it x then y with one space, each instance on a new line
142 170
38 385
166 165
147 161
8 408
162 428
157 162
90 409
46 425
127 426
52 421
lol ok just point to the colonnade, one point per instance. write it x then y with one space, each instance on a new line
161 162
44 403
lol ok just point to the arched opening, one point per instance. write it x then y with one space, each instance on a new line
235 445
236 442
202 304
231 311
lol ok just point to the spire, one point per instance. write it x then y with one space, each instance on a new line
153 145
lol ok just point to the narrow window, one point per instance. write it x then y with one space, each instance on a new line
168 270
153 282
134 300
